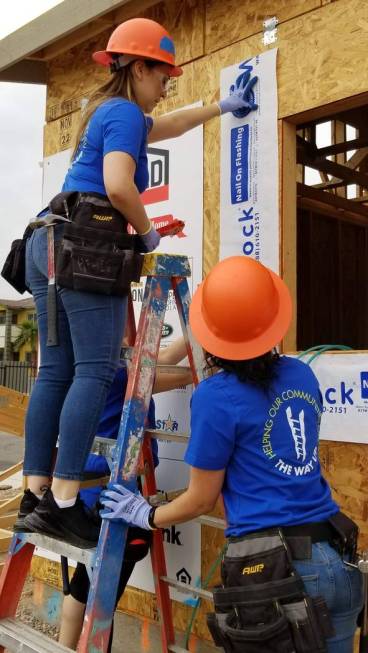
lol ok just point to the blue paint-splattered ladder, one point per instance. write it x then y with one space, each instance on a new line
164 273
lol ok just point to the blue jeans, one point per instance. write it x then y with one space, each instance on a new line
74 377
342 588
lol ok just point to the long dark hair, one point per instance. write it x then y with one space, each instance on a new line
260 371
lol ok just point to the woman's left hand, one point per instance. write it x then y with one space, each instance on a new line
121 503
241 98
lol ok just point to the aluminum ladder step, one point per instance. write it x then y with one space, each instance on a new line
86 556
189 589
20 638
166 436
105 446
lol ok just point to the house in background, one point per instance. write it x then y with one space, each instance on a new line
14 314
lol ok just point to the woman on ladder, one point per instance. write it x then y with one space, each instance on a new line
109 165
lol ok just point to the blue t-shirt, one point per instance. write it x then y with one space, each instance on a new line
268 443
117 125
109 428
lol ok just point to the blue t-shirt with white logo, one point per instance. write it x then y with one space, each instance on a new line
117 125
109 427
268 442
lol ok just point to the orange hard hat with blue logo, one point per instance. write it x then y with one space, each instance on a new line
140 38
241 310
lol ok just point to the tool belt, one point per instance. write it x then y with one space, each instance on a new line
14 268
96 254
262 606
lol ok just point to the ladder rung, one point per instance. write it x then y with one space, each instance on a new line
189 589
169 437
177 649
103 446
173 369
61 548
163 497
20 638
215 522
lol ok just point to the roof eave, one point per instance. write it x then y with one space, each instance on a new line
67 17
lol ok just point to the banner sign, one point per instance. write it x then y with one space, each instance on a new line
343 380
175 192
249 213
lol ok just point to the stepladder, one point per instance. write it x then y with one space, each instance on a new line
164 273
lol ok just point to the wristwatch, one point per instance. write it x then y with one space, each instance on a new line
151 519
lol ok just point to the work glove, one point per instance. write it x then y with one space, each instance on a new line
150 240
241 98
121 503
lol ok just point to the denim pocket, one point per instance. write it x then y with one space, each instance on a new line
354 577
311 584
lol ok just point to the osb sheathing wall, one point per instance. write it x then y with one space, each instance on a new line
322 48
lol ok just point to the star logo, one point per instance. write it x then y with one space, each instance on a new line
170 424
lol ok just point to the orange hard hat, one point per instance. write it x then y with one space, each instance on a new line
241 310
140 38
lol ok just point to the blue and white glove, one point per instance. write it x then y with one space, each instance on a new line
121 503
150 240
241 99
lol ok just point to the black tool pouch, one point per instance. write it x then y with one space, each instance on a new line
270 637
256 558
96 254
263 606
310 623
346 535
14 268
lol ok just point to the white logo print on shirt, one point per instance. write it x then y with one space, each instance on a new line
298 432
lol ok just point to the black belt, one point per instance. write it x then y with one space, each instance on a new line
319 531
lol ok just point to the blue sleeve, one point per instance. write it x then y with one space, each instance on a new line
149 123
213 428
124 129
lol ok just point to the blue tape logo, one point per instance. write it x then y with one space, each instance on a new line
239 164
364 384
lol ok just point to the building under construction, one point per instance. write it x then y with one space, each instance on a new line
315 171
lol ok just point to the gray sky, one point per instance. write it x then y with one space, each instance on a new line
22 112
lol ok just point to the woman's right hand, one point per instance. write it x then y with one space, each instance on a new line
150 240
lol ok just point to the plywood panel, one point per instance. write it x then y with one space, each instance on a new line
224 25
335 38
320 55
13 406
184 20
345 466
5 539
73 74
287 141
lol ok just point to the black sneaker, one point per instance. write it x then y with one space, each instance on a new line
72 525
27 505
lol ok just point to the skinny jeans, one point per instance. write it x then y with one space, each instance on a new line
327 575
75 376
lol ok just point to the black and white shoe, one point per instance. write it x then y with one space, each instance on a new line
27 506
72 525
